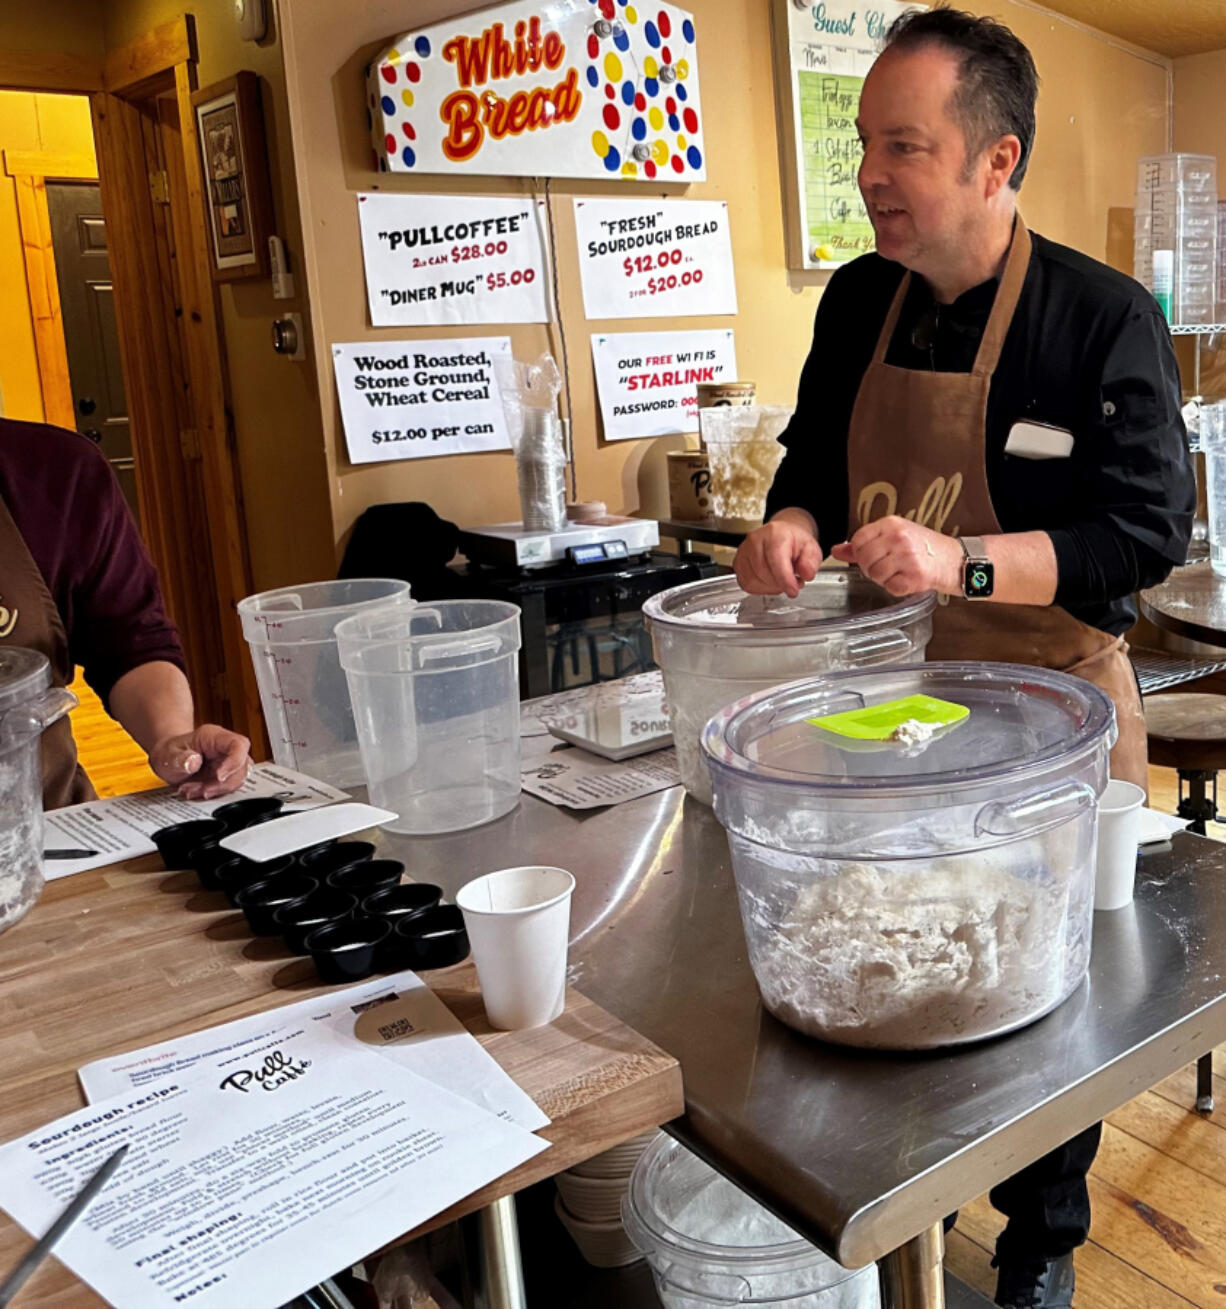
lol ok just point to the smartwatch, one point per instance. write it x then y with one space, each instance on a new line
978 572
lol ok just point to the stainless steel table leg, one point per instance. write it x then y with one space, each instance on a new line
502 1273
1204 1084
913 1276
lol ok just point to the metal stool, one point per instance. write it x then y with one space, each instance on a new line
1188 733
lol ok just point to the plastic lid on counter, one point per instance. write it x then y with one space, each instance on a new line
837 600
1022 720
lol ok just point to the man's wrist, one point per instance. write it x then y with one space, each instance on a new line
798 517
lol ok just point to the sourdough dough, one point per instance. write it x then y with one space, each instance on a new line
914 955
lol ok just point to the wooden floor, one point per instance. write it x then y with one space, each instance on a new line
115 763
1158 1186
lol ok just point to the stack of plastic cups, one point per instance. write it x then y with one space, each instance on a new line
540 462
1175 241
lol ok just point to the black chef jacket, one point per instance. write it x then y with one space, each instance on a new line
1088 351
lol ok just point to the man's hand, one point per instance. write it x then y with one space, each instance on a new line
204 763
780 556
904 558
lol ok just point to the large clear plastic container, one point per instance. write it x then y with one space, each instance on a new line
742 444
915 895
302 690
1213 445
715 643
708 1243
28 706
435 693
1183 171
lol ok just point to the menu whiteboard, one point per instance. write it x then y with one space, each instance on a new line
822 53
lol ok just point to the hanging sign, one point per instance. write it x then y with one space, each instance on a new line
434 259
654 258
416 399
647 380
531 89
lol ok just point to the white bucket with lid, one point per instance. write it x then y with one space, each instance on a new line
709 1243
716 643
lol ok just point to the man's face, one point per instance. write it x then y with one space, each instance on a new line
913 176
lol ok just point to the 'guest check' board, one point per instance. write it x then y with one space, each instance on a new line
822 53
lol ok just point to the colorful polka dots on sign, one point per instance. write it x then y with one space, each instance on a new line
631 60
400 71
642 58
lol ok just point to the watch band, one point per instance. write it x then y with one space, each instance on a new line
973 547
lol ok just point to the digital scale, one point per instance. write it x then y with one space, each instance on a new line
599 541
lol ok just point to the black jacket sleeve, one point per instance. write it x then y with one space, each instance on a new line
813 474
1134 471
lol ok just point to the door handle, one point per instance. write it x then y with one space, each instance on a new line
87 404
94 434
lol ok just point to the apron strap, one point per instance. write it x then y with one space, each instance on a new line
1008 293
891 319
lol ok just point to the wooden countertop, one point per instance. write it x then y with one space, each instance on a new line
127 956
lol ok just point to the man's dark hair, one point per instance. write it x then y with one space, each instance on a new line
997 80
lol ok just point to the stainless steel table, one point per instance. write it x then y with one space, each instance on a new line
863 1152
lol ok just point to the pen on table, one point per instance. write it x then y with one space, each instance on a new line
42 1248
69 854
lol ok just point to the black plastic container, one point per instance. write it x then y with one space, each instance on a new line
298 920
345 951
207 858
260 900
319 861
238 872
241 814
177 843
367 877
397 902
434 938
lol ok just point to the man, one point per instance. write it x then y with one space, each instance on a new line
77 584
993 416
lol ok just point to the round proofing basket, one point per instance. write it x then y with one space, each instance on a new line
593 1199
603 1245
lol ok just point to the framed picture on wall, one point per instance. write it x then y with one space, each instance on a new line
234 162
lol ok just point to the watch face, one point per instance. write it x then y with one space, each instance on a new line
978 579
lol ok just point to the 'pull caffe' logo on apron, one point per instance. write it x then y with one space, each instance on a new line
8 619
934 509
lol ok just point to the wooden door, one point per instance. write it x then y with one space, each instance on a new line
91 335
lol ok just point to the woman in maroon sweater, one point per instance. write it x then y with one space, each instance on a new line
77 584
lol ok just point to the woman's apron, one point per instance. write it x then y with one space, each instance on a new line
29 618
917 448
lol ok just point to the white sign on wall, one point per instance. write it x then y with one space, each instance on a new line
416 399
648 380
434 259
654 258
543 88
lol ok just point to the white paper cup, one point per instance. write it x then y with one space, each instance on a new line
518 922
1119 825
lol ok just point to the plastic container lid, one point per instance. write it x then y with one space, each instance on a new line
1023 721
24 674
836 601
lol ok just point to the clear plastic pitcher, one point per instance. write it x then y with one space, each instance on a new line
435 693
28 706
291 633
1213 445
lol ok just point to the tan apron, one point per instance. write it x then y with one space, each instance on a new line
29 618
917 448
